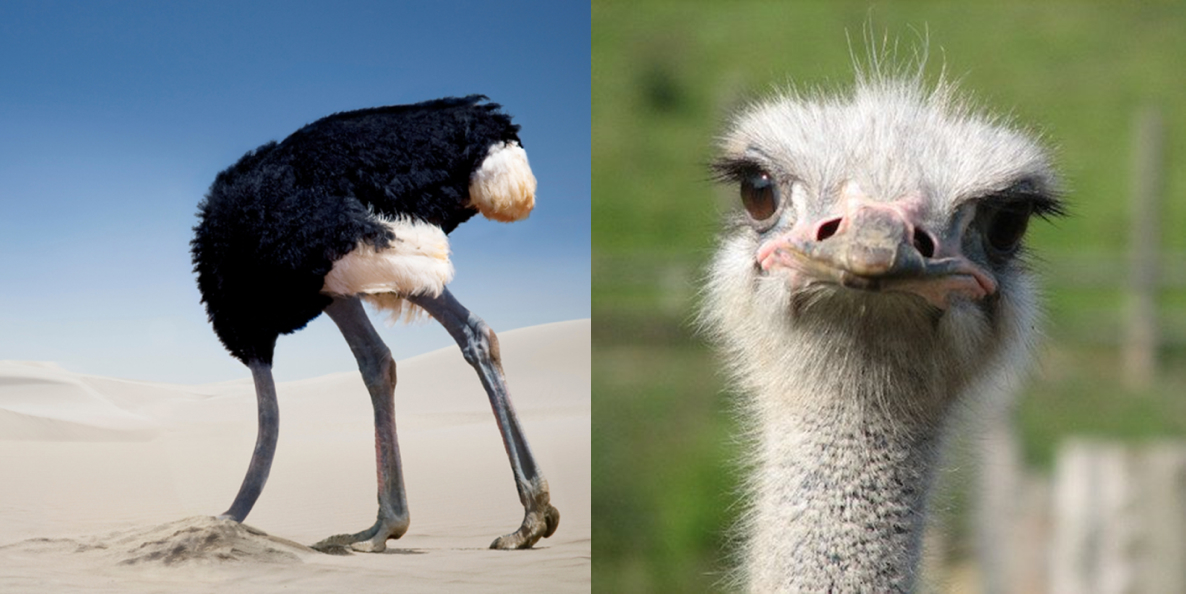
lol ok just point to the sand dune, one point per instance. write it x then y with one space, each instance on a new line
110 484
41 401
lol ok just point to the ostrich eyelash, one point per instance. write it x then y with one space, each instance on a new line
733 170
1043 203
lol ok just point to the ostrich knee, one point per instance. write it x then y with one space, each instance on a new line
378 370
481 343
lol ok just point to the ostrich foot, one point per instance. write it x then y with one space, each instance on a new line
371 540
537 524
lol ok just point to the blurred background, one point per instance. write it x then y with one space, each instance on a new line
1084 482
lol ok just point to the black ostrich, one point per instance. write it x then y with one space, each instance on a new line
354 207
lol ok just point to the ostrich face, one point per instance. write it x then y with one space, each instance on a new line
894 216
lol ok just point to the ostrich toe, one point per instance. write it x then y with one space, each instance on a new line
371 540
537 523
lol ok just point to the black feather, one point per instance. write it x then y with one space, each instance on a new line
273 224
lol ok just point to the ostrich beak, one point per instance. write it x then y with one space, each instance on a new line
877 248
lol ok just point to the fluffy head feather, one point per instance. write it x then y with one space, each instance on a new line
894 138
849 378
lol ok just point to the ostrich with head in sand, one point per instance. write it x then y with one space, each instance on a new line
357 207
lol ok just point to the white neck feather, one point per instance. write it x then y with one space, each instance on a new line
839 498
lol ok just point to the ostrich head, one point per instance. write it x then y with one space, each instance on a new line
873 277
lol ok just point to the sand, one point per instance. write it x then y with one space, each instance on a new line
110 485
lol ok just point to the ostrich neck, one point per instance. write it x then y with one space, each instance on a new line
840 492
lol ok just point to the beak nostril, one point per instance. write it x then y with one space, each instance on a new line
924 244
827 229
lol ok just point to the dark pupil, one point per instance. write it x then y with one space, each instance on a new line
758 194
1007 226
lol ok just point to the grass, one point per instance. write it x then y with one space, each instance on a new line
665 76
665 406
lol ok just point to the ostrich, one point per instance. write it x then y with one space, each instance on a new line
357 207
873 281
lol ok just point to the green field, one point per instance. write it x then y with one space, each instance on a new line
666 74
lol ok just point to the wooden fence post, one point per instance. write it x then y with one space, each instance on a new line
1093 520
1165 515
1119 519
1140 342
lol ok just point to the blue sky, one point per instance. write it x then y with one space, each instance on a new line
116 116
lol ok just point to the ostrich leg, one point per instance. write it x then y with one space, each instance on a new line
378 372
265 443
479 345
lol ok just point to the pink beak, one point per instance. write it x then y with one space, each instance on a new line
878 247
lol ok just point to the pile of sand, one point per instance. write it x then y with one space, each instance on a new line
98 474
199 539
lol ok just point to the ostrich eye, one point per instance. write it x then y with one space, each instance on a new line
1006 225
759 195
